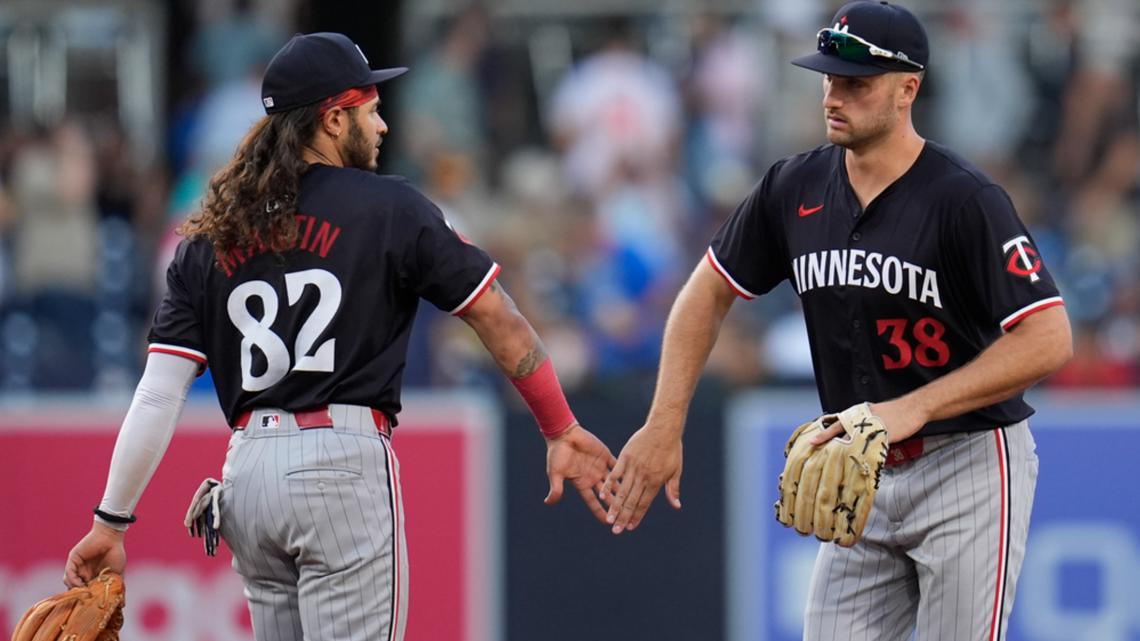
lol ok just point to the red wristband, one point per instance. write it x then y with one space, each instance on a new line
543 395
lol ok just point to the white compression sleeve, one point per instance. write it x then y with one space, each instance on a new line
146 432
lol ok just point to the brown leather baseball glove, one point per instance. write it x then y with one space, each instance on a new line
827 490
93 612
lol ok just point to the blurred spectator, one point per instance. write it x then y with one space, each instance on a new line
1050 54
47 330
230 41
124 190
617 116
634 269
615 112
726 91
441 104
982 84
53 190
1100 110
794 119
118 180
227 52
224 115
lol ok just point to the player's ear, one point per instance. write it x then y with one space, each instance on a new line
908 84
334 122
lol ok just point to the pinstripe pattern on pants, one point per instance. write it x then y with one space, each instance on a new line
314 519
942 548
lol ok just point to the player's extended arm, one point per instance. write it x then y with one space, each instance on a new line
142 441
572 453
653 455
1033 349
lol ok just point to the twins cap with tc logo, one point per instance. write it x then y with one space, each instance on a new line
868 38
312 67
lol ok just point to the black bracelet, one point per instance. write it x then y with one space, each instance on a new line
115 518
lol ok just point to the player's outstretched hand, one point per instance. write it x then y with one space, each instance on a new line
651 458
578 456
101 548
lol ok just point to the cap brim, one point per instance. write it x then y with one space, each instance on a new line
380 75
837 66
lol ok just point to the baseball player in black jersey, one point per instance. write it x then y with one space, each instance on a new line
924 295
297 284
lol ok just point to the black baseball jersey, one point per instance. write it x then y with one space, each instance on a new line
918 284
329 320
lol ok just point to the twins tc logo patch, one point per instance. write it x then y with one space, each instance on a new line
1022 258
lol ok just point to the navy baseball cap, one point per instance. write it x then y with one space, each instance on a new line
869 38
314 66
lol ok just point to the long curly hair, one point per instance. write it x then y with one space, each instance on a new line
251 202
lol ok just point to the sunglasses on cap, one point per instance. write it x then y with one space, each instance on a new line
852 48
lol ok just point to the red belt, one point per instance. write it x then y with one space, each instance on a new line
906 451
318 417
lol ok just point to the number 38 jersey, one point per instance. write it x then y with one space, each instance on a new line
915 286
329 320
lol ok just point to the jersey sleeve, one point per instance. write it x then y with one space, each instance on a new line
1000 259
176 328
440 265
746 250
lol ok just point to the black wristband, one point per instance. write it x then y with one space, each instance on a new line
115 518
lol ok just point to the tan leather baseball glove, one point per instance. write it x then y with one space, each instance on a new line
93 612
827 490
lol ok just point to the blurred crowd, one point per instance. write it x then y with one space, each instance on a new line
593 156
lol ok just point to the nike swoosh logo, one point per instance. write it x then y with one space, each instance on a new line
808 212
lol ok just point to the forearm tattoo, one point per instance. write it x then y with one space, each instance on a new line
530 362
533 359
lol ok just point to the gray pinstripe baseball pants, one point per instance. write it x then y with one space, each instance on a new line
315 522
942 548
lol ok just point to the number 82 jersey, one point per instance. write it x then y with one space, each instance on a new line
329 320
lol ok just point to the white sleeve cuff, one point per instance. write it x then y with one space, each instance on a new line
479 290
736 287
1008 322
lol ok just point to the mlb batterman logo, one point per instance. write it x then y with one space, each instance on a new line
1022 258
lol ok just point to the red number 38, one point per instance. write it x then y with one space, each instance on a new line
928 348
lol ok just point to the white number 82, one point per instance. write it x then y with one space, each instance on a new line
256 331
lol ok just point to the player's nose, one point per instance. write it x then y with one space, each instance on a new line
382 128
830 95
831 100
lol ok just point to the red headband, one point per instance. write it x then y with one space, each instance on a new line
350 98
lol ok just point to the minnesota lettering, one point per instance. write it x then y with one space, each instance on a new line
858 268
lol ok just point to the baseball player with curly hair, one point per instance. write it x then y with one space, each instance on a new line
925 297
297 284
